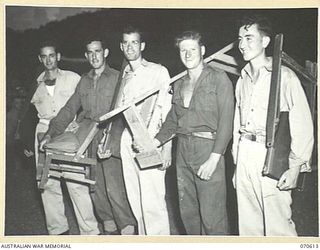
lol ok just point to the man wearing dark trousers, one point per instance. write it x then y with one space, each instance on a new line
201 116
94 95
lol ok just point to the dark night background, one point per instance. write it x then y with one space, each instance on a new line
160 26
299 27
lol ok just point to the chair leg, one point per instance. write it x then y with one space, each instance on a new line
45 172
92 177
40 166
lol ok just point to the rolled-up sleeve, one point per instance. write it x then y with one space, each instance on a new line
301 125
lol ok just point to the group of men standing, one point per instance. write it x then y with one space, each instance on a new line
202 115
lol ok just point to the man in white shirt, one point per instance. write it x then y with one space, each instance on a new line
55 87
264 203
145 188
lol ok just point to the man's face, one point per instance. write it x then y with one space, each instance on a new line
191 53
252 43
132 46
96 55
49 58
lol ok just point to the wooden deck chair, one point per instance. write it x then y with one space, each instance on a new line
59 163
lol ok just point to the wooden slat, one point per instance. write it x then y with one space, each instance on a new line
312 95
70 177
226 68
83 147
227 59
299 69
61 157
67 168
274 96
138 128
225 49
310 89
155 90
45 172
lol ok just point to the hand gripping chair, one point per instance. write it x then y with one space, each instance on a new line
65 154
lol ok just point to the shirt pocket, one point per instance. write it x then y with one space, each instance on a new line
105 102
41 106
205 99
85 101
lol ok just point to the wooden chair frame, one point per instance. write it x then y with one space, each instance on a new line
58 164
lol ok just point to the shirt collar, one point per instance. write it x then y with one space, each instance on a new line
206 69
106 71
144 63
41 77
247 71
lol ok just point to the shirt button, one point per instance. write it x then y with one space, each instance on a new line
248 123
251 110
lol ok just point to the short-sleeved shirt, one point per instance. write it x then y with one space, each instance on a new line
48 102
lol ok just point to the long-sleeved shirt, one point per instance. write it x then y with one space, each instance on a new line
211 109
252 106
94 96
155 108
49 100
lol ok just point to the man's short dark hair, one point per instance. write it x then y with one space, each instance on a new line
188 35
132 29
95 39
263 23
49 43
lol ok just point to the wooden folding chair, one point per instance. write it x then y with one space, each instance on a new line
58 164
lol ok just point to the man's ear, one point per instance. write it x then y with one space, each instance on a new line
86 55
39 57
265 41
203 50
121 46
58 56
143 45
106 53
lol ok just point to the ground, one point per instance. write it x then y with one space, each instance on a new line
24 213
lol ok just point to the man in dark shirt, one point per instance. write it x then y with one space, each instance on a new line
94 95
201 116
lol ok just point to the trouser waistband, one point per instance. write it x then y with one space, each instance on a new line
205 135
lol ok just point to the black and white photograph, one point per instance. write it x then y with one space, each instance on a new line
160 122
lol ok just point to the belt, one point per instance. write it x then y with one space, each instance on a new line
44 121
205 135
254 137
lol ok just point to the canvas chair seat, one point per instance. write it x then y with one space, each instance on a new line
64 143
67 150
